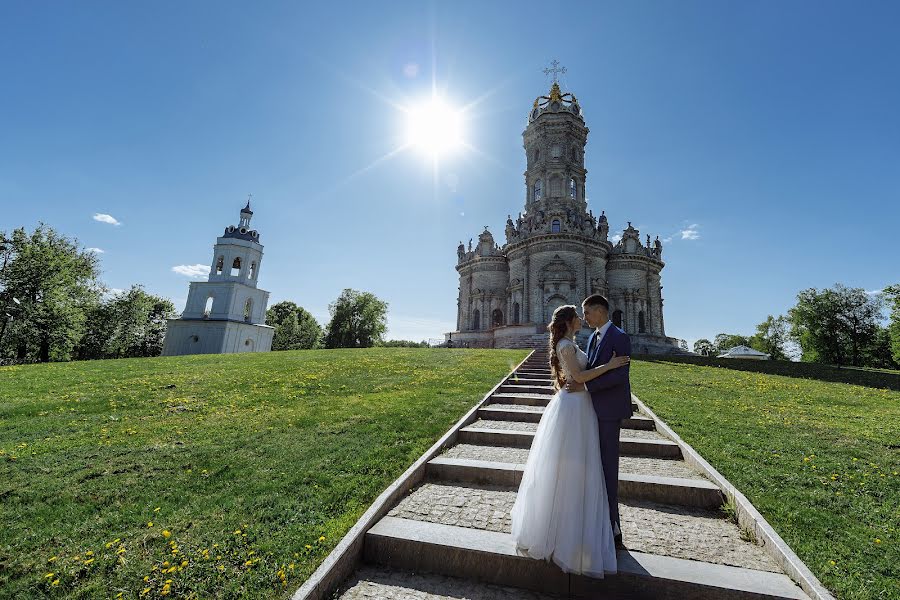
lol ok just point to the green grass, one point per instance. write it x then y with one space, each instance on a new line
820 461
255 465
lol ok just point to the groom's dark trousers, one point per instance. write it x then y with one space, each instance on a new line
611 397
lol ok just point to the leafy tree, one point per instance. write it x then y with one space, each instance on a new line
358 320
771 337
725 341
130 324
704 347
892 295
836 325
56 285
295 327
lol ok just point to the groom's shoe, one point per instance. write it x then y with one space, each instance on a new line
619 544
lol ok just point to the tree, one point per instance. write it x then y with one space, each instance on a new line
130 324
725 341
771 337
892 296
295 327
56 284
704 347
837 325
358 320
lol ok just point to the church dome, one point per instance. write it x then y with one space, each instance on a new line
556 102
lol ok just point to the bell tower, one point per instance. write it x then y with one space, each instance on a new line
554 142
227 312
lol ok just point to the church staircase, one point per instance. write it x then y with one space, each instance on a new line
449 537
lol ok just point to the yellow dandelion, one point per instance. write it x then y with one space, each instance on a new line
307 546
165 563
237 532
156 509
49 575
55 582
832 563
89 561
89 553
877 541
322 538
184 563
149 523
53 558
166 533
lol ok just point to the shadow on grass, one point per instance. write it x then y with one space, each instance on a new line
868 378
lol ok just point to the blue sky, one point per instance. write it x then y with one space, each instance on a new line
762 138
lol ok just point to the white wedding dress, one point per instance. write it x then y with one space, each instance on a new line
561 511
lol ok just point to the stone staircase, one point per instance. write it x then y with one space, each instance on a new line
450 536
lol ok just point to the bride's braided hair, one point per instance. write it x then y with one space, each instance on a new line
558 326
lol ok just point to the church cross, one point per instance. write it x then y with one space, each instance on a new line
556 70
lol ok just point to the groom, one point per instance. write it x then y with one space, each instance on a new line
610 394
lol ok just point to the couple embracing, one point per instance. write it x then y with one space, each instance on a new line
566 509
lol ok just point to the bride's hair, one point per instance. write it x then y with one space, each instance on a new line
558 326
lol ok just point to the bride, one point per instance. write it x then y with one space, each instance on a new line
561 510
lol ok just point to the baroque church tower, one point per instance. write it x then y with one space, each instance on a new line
557 251
227 312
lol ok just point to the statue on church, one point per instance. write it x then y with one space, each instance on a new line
470 244
510 228
461 251
657 247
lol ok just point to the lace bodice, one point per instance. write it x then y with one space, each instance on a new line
569 351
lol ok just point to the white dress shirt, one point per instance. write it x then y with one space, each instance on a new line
600 333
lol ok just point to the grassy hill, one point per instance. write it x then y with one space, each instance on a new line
231 476
238 474
820 460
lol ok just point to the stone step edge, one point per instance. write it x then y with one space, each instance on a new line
528 413
536 400
491 556
747 516
341 562
519 439
666 490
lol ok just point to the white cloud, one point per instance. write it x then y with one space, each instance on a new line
690 233
96 250
103 218
666 240
616 238
197 271
873 292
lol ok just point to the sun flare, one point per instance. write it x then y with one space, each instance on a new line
434 127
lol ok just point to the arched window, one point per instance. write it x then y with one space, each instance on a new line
555 226
642 328
516 313
220 265
252 273
248 309
617 318
236 267
209 306
573 188
476 320
537 189
496 318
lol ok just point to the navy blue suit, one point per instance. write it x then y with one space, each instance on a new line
611 397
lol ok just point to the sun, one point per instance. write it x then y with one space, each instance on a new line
434 127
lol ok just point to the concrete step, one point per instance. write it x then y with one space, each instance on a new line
375 582
628 446
698 493
532 414
539 381
509 388
491 557
524 399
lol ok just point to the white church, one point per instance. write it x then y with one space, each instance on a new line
227 312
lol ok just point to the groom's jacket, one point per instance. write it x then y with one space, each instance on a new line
611 392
